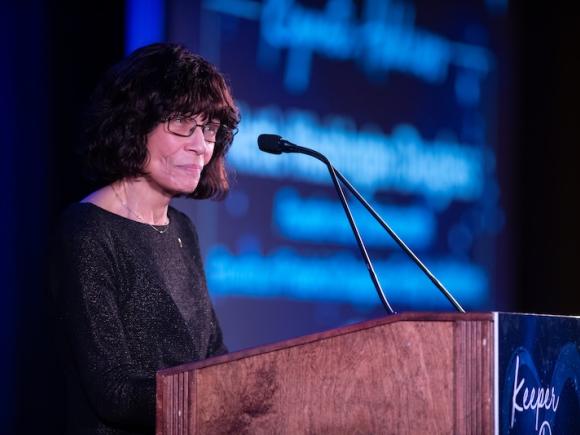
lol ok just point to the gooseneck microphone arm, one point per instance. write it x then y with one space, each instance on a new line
276 145
402 244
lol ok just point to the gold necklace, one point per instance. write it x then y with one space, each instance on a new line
138 216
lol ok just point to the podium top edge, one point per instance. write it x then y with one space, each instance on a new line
348 329
410 316
511 313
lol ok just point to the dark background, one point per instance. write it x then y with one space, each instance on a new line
52 57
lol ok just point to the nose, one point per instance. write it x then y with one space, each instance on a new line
196 142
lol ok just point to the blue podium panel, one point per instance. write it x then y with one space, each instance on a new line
538 364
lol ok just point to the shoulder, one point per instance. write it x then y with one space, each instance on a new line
84 242
180 219
177 215
83 216
85 226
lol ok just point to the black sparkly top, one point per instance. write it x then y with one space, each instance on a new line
130 302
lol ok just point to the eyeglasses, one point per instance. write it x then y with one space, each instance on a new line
185 127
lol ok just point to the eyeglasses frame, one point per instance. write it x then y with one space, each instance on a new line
221 127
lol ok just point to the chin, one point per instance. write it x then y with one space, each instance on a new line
186 190
176 191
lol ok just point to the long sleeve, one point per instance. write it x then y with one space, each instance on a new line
216 346
216 343
131 301
119 392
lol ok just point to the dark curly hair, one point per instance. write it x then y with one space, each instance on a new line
151 85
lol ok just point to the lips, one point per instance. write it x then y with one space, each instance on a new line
192 168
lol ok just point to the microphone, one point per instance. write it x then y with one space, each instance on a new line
271 143
274 144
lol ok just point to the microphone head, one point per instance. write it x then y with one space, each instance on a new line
270 143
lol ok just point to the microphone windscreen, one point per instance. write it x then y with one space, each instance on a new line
270 143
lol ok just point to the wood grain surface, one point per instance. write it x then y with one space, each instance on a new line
412 373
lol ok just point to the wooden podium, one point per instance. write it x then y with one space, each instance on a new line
413 373
403 374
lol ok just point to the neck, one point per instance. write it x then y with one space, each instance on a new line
141 202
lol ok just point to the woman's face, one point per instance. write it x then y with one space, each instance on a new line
175 163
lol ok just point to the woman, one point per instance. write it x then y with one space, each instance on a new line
131 292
